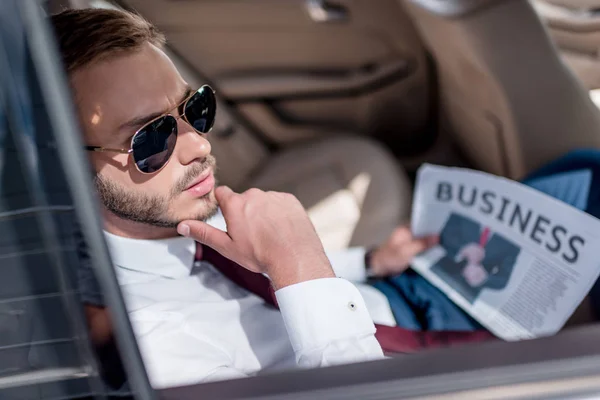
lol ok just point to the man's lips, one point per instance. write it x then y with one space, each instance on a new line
203 184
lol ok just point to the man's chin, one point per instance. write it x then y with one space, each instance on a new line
205 208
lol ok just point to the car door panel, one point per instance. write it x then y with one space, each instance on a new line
303 84
295 78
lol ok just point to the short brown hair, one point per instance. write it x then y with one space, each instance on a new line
89 35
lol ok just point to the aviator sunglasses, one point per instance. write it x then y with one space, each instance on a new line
152 145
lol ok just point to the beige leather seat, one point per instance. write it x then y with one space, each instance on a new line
354 190
576 32
507 97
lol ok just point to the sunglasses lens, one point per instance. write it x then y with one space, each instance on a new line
154 143
200 109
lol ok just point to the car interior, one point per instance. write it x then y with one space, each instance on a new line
371 93
338 102
573 26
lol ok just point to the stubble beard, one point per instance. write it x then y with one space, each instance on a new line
153 210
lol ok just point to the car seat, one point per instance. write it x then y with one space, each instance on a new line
509 100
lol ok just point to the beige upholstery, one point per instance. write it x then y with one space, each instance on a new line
353 189
577 4
576 33
509 100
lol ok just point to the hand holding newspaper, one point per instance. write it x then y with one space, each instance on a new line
515 259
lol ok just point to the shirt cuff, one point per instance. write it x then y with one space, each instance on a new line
321 311
349 263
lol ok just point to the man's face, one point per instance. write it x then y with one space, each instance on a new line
141 85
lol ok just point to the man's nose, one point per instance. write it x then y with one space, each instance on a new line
191 145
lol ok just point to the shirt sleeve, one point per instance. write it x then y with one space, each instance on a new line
349 263
328 323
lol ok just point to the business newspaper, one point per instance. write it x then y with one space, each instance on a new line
515 259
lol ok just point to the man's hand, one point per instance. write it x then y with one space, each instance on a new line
395 255
267 232
99 324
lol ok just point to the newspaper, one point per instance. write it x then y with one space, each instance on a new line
515 259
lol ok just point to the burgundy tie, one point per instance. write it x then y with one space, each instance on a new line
392 339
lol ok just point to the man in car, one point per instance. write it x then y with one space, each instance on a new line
145 130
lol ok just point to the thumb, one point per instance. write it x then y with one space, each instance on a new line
205 234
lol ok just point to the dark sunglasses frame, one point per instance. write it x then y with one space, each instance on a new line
181 106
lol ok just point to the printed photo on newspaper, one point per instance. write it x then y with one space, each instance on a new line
515 259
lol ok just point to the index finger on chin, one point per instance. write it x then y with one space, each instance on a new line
223 194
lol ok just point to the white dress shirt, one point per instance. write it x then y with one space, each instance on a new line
193 325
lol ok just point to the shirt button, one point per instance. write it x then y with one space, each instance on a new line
352 306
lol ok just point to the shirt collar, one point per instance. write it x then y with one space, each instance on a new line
170 258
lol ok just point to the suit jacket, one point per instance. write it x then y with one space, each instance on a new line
499 260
